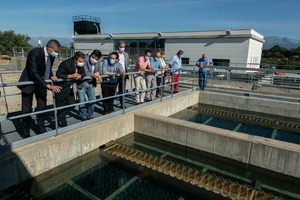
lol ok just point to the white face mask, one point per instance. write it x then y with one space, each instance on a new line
94 61
122 49
80 64
147 58
53 54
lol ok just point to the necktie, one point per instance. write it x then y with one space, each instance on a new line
48 66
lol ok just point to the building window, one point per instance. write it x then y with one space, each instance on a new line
185 61
221 62
137 47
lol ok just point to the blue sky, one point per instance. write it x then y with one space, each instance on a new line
54 17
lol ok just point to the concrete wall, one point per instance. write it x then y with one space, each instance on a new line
234 49
254 53
31 160
28 161
270 154
272 107
173 105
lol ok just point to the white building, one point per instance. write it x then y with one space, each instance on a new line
223 47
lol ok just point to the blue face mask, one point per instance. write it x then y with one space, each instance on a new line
112 61
53 54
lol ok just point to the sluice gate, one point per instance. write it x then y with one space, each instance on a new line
210 182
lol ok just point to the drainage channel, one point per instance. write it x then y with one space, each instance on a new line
200 178
280 124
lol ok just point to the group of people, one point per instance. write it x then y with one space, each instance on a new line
82 73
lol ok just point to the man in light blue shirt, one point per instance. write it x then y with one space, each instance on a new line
156 64
202 63
176 64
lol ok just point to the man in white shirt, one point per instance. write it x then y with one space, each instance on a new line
124 61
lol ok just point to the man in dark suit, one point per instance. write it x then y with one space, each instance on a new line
124 60
38 69
72 68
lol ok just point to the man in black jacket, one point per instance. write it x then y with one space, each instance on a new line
38 69
71 68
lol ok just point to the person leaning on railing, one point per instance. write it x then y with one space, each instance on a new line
142 65
113 71
92 67
38 69
71 68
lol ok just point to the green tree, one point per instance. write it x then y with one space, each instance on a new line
10 39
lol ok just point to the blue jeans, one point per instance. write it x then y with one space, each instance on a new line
86 110
202 80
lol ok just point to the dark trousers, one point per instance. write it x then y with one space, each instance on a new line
63 98
41 99
160 81
108 90
121 89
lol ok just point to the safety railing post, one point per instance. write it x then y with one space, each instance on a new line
55 110
4 93
123 94
172 83
161 86
193 86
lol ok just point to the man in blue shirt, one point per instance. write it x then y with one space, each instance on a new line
155 62
202 63
176 64
153 77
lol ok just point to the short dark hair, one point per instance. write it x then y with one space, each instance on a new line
79 54
180 52
53 43
97 53
147 51
114 53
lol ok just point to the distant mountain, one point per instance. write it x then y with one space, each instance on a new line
271 41
63 41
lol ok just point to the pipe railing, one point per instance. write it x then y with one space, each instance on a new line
55 108
189 82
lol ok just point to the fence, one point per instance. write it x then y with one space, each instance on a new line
216 75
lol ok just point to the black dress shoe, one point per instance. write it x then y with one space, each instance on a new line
42 130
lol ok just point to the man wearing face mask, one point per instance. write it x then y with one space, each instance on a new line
124 61
92 70
38 69
142 65
71 68
176 64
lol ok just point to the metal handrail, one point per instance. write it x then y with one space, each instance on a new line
67 106
186 68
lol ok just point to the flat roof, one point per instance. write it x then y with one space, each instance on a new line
244 33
